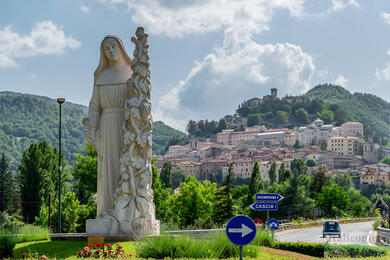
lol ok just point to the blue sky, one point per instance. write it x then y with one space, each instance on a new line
206 56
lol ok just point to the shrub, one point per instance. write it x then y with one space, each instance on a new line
263 238
32 233
312 249
353 251
214 246
7 243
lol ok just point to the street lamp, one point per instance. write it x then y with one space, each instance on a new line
60 101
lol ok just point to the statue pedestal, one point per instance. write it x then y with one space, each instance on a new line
109 228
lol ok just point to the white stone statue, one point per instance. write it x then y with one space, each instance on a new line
119 125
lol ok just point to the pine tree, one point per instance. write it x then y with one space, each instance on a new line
6 185
272 173
224 198
281 173
254 183
165 175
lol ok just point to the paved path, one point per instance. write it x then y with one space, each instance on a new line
351 234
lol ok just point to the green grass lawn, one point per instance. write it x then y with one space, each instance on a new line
69 249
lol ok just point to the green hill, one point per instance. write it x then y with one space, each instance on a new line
366 108
26 119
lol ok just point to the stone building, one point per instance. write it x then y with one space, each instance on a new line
346 145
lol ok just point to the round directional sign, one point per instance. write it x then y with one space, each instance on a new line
241 230
273 224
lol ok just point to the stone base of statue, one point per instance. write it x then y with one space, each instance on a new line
113 228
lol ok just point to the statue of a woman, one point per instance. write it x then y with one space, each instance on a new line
106 116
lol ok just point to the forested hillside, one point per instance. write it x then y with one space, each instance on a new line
366 108
26 119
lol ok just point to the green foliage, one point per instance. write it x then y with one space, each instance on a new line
221 125
215 246
37 177
354 251
85 172
312 249
318 180
302 116
195 201
165 175
203 128
283 173
161 198
263 238
224 199
7 243
359 205
326 115
333 199
272 173
7 185
163 136
31 233
73 215
254 119
282 117
254 183
344 180
177 178
385 160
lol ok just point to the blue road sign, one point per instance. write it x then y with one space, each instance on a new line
268 197
273 224
264 206
241 230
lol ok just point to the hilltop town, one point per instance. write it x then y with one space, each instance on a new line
336 149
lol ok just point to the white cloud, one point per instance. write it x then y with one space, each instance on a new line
338 5
341 80
385 17
383 74
225 78
46 38
85 9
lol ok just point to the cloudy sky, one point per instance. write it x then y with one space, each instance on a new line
206 56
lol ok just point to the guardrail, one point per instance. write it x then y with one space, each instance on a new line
384 235
284 224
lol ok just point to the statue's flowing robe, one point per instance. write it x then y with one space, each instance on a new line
106 112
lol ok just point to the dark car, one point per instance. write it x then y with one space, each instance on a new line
331 228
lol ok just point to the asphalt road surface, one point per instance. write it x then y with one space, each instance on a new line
351 234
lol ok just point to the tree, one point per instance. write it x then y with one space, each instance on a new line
191 128
298 166
254 183
7 185
317 181
254 119
272 172
221 125
282 117
359 205
85 172
385 160
37 176
165 175
161 197
333 199
311 162
177 178
344 180
284 173
302 116
327 116
323 145
224 199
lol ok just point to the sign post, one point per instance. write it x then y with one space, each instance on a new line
241 230
273 224
267 202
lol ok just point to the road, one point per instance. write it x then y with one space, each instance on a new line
353 233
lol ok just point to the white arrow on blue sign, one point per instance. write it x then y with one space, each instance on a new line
268 197
241 230
264 206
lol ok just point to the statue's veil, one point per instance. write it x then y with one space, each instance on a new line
103 63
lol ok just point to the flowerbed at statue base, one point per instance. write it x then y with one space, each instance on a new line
103 251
